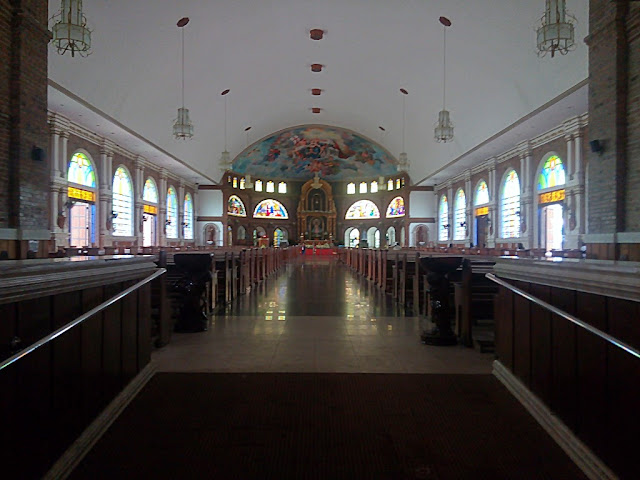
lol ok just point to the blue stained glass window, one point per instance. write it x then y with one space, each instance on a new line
510 206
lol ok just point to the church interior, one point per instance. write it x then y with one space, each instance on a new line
339 239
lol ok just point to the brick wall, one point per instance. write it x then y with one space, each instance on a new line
632 197
6 15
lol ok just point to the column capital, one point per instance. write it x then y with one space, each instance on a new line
58 124
107 147
524 149
491 164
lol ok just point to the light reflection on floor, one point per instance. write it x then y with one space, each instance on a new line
265 331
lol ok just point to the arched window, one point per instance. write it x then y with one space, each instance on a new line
396 208
150 192
482 193
459 214
282 187
398 183
122 203
235 207
187 217
390 184
374 186
242 233
278 236
172 213
235 182
243 182
363 187
510 206
552 174
81 171
443 219
82 212
258 186
351 188
270 187
362 209
270 208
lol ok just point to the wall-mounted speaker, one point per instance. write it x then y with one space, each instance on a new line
596 146
38 154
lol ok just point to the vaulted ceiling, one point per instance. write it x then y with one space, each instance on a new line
262 51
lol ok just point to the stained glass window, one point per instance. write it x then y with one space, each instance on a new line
510 206
258 186
122 203
390 184
443 220
396 208
81 171
552 174
270 208
235 207
362 209
187 217
282 187
351 188
459 214
374 186
172 213
270 187
243 182
398 183
235 182
482 193
363 187
150 192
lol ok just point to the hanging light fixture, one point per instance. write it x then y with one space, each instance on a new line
70 32
225 156
443 132
403 160
182 127
555 33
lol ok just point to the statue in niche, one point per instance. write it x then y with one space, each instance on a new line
316 228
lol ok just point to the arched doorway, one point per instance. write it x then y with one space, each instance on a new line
373 237
390 237
352 237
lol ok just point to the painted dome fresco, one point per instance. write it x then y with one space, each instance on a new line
300 152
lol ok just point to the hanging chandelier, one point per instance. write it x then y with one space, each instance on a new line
403 160
556 31
182 127
70 32
225 156
443 131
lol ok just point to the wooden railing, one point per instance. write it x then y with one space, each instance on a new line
578 353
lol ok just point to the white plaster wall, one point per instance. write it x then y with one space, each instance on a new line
210 203
431 227
422 204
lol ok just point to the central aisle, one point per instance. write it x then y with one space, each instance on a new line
315 316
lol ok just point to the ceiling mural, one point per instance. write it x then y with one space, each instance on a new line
300 152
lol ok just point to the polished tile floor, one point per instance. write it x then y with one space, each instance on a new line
315 316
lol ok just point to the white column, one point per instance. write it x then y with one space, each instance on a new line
162 209
526 206
139 186
181 212
451 206
493 202
106 197
64 161
468 207
571 166
55 152
197 235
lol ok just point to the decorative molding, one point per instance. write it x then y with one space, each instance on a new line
85 442
582 456
25 234
599 238
205 218
424 188
628 237
421 219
